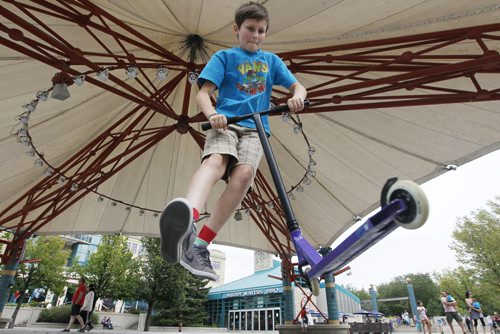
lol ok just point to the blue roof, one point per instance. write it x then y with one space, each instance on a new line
257 284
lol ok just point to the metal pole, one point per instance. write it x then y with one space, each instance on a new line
288 299
413 303
9 271
291 221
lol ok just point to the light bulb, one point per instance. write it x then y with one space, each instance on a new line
42 95
79 79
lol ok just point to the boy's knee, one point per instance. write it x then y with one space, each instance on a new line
243 174
216 161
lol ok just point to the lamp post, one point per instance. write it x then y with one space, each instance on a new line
373 294
413 303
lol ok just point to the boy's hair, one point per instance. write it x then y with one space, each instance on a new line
251 10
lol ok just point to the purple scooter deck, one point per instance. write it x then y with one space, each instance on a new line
368 234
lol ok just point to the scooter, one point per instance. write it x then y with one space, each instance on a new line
403 203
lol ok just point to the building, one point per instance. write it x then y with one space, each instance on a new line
256 302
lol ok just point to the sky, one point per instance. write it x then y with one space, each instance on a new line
451 196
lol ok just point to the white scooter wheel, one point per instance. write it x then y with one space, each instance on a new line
416 201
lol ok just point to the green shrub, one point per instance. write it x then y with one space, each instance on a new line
59 314
56 314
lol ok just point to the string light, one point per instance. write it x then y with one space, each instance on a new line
23 137
286 117
103 74
238 216
42 95
161 73
31 107
61 179
132 72
79 79
192 77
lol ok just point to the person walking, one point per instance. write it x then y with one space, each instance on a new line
304 319
76 306
424 319
87 307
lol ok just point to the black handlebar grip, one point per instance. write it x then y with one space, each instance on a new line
206 126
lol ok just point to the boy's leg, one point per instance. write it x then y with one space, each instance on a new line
196 257
176 219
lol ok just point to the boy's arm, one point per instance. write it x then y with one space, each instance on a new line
217 121
299 93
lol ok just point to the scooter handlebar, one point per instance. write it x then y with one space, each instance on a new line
276 110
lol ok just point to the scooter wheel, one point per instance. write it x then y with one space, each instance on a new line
314 285
416 201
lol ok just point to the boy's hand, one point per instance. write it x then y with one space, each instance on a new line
218 121
295 104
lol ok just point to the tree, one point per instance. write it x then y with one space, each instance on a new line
424 287
42 267
170 290
112 269
476 244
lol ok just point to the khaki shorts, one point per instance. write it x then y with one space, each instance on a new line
453 315
241 143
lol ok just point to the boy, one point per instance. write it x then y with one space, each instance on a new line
244 76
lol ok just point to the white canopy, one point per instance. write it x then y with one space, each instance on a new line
356 150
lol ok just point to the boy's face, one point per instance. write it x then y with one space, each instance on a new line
251 34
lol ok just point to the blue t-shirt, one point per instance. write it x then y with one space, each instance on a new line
245 80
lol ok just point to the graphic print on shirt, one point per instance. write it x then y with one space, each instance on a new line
253 77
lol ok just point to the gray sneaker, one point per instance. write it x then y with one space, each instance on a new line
196 259
175 225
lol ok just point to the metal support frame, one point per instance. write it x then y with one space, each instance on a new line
357 76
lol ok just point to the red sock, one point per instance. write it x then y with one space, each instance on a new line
206 234
196 214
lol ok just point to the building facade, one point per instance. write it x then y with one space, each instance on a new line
256 302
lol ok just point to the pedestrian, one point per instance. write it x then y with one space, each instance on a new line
244 77
475 312
87 307
424 319
450 309
406 318
76 306
304 319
